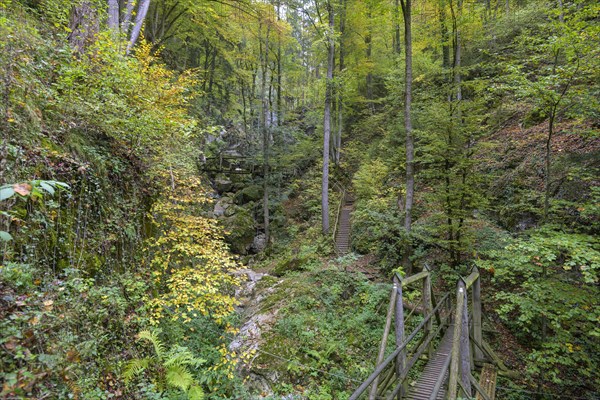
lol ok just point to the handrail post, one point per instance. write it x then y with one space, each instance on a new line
465 348
454 363
386 332
428 305
337 219
399 327
477 313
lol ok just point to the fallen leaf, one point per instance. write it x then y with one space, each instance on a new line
22 188
10 345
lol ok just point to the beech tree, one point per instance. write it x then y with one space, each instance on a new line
410 145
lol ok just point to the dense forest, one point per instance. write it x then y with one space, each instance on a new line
208 199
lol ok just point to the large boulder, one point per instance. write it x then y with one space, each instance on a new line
239 222
259 243
222 184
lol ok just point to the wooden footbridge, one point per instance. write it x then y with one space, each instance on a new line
438 360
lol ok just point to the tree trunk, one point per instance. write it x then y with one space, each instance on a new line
113 15
83 26
265 135
410 146
327 123
547 176
127 17
369 51
340 100
279 106
397 47
444 34
139 21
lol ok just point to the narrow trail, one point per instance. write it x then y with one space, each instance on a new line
342 237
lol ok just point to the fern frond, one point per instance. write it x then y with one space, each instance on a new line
195 393
179 377
152 337
135 367
182 356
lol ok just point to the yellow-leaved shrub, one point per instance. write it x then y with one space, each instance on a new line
190 261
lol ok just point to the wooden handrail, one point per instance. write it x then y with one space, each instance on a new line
413 278
386 332
337 218
469 280
397 351
454 364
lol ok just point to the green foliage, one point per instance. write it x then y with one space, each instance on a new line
548 299
325 328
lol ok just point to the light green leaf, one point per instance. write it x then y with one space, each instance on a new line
6 192
5 236
48 188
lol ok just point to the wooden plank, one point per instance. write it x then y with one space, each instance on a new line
399 325
386 332
427 305
465 351
477 333
455 364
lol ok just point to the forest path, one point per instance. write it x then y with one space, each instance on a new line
342 236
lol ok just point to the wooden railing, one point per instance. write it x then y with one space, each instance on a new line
465 352
388 379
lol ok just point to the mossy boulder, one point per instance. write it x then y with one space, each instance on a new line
239 222
248 194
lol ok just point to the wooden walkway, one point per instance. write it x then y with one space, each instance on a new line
449 373
342 236
426 383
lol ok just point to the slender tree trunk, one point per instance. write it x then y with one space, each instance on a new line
113 15
397 47
139 21
369 51
547 175
445 37
265 135
327 122
410 146
457 50
279 105
83 25
340 100
127 17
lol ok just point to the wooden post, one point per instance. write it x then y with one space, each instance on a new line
465 350
401 358
386 332
477 326
454 364
427 304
